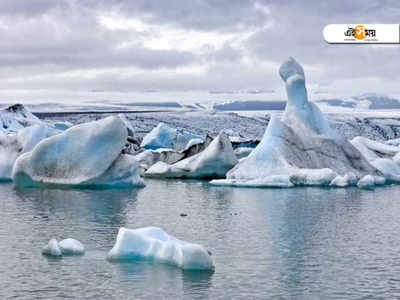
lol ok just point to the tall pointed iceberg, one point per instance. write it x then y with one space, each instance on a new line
300 148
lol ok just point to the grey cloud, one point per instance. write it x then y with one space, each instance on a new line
49 38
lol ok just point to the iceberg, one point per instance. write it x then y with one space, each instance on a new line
65 247
148 158
383 157
213 162
154 244
52 249
24 140
16 117
163 136
88 154
369 181
71 247
300 148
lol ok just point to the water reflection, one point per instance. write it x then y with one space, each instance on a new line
165 279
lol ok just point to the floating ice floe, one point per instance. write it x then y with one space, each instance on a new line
154 244
300 148
213 162
71 247
163 136
88 154
65 247
52 249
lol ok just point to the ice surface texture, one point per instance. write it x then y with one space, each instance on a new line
163 136
383 157
154 244
84 155
301 148
25 139
212 162
16 117
52 249
71 247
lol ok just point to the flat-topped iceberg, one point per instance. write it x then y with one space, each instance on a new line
300 148
212 162
163 136
154 244
88 154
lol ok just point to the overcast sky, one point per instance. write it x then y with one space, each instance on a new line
197 49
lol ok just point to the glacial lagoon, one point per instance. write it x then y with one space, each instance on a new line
299 243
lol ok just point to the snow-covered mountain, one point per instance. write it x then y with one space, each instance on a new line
365 101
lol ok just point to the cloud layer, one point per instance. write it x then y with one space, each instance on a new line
70 47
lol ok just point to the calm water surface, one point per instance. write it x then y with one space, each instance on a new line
302 243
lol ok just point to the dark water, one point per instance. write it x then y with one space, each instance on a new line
303 243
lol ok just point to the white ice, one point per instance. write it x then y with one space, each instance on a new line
154 244
242 152
24 140
71 247
52 249
193 142
16 117
213 162
381 156
88 154
393 142
163 136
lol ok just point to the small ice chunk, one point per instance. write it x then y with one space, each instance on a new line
213 162
367 182
154 244
278 181
71 247
344 181
52 249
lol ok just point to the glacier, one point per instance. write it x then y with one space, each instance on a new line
212 162
300 148
154 244
85 155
